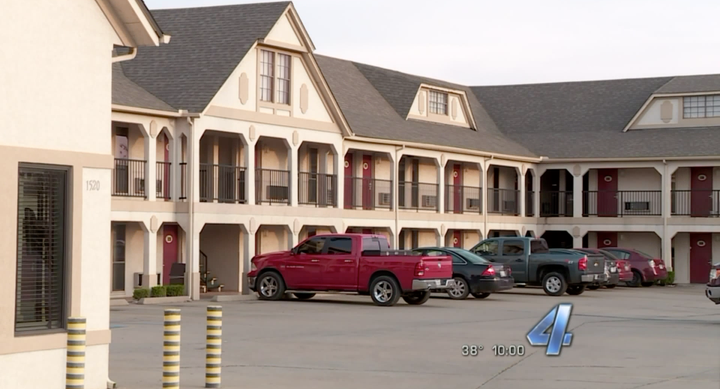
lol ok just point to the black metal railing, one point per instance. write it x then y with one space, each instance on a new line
418 196
272 186
529 203
622 203
129 178
504 201
695 203
183 181
222 183
556 204
367 193
317 189
462 199
162 176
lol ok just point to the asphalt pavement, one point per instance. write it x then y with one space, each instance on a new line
650 338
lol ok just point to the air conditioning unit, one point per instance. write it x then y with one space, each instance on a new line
473 203
429 201
274 192
384 199
637 206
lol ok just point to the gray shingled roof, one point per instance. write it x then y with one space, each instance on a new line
207 44
586 120
376 101
685 84
127 93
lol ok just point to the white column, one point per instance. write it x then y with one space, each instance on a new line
294 184
577 196
577 242
213 173
192 269
149 258
339 170
536 198
441 188
250 179
667 248
193 167
485 193
151 167
441 239
523 193
294 239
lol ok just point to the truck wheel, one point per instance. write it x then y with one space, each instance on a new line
554 284
460 291
575 290
637 279
417 298
385 291
271 286
594 287
304 296
481 295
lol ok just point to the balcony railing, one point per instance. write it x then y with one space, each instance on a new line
695 203
504 201
317 189
418 196
368 193
162 176
529 203
129 178
272 186
622 203
183 181
222 183
556 204
463 199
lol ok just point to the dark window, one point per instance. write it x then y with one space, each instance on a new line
487 248
619 254
312 246
438 102
118 260
414 237
339 246
283 79
267 75
375 244
457 260
513 247
538 246
41 251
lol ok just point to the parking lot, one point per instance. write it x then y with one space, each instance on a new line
651 338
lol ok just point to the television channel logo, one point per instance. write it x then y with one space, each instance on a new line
551 330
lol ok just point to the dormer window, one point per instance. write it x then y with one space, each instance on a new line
438 103
271 79
701 107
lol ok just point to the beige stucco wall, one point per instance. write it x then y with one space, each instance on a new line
420 109
651 116
284 32
681 246
273 238
223 244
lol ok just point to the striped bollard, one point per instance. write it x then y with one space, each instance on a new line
213 354
171 349
75 364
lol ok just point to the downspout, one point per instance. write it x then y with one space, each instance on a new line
485 184
126 57
396 196
191 199
665 216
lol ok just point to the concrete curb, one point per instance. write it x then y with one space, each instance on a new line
118 302
234 297
163 300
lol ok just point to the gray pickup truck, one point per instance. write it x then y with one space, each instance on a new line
533 264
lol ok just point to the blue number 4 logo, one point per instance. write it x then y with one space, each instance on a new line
557 319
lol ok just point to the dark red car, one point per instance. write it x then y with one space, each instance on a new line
646 269
620 270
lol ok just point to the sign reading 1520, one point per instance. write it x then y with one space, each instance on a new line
92 185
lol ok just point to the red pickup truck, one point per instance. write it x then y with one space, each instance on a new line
356 263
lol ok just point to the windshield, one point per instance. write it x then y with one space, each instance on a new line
470 257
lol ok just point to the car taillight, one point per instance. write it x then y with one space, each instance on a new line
582 263
420 268
627 267
490 271
652 265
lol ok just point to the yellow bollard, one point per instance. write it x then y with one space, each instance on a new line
171 349
75 364
213 353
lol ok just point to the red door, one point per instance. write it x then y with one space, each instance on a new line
170 250
457 238
166 168
607 239
607 201
701 186
700 257
367 191
457 189
349 180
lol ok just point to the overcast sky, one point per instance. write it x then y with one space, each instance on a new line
488 42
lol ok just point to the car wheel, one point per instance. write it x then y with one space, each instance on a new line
575 290
481 295
271 286
610 286
554 284
417 298
647 284
460 291
637 279
304 296
384 291
594 287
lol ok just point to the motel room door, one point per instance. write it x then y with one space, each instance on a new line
607 195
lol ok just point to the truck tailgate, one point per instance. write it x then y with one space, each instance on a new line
595 263
436 267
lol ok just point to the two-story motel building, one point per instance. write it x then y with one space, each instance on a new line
253 143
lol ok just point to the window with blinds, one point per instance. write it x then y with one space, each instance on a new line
41 251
